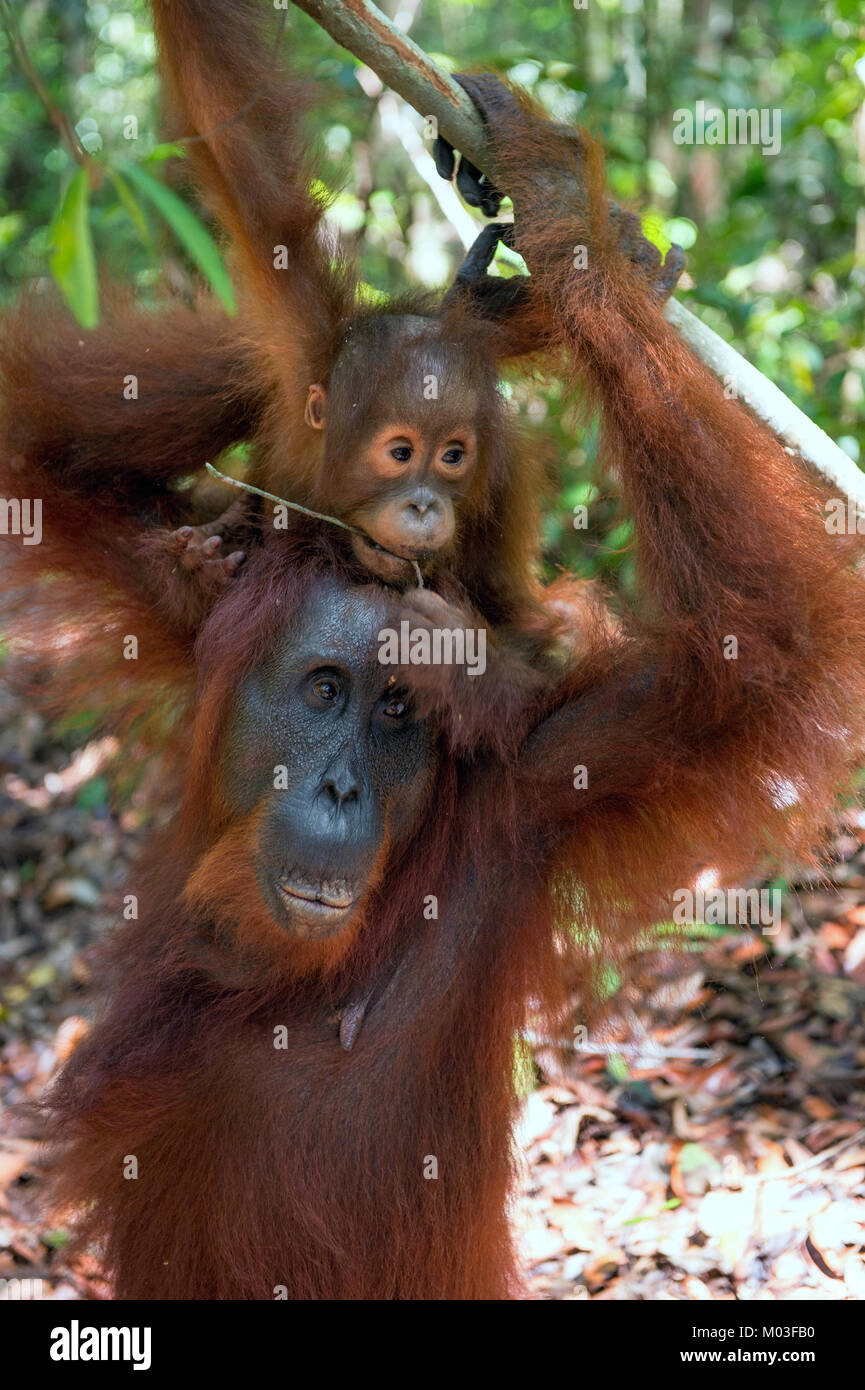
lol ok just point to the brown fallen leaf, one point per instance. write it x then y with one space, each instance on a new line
817 1258
818 1108
580 1232
834 935
800 1047
602 1268
772 1161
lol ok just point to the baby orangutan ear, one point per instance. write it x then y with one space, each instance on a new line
314 411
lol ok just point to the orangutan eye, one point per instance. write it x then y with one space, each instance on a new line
327 689
401 452
396 708
454 456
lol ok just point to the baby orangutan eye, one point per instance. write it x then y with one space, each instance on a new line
454 455
401 452
326 688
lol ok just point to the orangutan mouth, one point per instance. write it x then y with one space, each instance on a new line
386 564
327 897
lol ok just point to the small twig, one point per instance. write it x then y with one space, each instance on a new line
647 1052
55 114
306 511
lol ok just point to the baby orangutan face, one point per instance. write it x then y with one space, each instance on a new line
402 491
401 422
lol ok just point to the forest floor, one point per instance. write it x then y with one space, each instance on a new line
709 1143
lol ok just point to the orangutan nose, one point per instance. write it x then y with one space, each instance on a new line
422 502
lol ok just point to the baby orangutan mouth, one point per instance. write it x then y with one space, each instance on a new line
384 563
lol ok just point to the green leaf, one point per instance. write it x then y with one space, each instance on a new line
73 263
525 1077
698 931
55 1240
693 1157
653 231
369 295
124 193
190 232
669 1205
93 794
617 1067
167 150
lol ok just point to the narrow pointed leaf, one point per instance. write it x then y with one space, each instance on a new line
73 263
190 232
127 198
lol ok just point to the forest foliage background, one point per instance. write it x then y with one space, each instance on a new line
775 243
713 1147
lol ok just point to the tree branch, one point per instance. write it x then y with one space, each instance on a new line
56 116
361 28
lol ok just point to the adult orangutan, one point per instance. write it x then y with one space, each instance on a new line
302 1084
